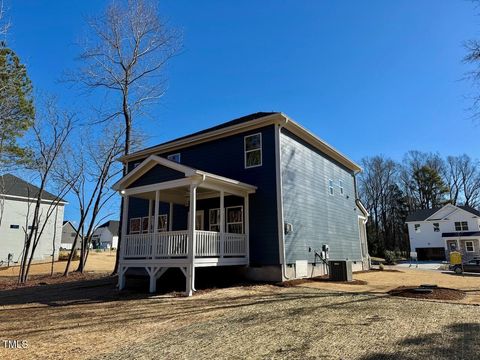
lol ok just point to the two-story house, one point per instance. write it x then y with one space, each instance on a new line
17 202
105 236
259 192
435 232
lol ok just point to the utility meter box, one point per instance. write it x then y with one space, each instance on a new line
340 270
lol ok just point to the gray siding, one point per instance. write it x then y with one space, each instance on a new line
317 217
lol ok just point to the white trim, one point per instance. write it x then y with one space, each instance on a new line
245 151
279 188
340 185
272 119
17 197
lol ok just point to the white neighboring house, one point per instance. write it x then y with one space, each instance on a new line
435 232
106 235
18 199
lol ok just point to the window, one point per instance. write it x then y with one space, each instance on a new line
145 224
253 150
461 226
417 228
214 220
330 187
174 157
73 234
30 227
234 218
135 224
469 246
162 222
14 226
340 185
436 227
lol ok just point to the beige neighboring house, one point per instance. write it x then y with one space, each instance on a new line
17 199
106 235
69 232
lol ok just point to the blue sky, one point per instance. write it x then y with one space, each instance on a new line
369 77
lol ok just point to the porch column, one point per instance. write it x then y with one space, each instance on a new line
246 214
192 240
170 217
150 215
123 243
155 212
222 223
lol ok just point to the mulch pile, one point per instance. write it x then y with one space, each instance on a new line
438 293
323 278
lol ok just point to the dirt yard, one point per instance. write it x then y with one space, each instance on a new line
92 320
381 282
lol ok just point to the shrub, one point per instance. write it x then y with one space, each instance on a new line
390 257
381 267
64 254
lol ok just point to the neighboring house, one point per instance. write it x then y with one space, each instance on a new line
18 200
106 235
68 236
435 232
259 192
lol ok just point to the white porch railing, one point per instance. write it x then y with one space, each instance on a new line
174 244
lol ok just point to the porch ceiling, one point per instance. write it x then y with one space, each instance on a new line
179 195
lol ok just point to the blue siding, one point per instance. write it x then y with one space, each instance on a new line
317 217
226 157
157 174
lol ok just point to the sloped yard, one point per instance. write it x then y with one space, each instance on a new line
92 320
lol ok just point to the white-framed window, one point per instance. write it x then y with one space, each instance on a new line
331 190
436 227
145 225
253 150
135 225
174 157
162 223
340 185
234 219
214 220
461 226
469 246
417 228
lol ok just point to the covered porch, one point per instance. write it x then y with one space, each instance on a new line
189 222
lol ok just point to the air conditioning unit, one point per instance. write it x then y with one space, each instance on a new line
340 270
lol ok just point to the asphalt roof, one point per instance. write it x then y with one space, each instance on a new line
14 186
254 116
423 214
112 225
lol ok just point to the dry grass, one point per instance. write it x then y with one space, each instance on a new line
91 320
102 262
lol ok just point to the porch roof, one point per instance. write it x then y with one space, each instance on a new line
191 174
461 234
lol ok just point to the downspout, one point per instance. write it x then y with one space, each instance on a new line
280 219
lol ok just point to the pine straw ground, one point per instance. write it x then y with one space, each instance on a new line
91 320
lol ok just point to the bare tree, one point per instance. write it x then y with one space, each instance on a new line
97 167
51 130
124 54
